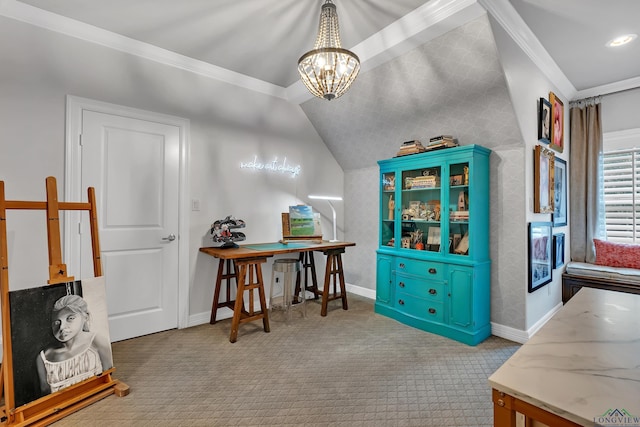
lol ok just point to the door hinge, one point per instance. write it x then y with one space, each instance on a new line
80 140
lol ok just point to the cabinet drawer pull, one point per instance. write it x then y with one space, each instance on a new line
432 311
432 291
401 284
402 265
432 270
401 301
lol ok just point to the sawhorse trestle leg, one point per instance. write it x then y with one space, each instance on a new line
334 275
222 275
249 279
308 265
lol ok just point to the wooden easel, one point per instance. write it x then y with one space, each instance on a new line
55 406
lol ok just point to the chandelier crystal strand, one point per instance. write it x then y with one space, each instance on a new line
328 70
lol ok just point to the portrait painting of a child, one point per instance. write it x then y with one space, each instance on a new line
59 335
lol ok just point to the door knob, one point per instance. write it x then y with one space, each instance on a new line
171 237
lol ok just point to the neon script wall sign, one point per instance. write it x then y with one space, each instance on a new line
273 166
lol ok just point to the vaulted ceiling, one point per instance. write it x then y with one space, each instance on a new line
263 39
421 60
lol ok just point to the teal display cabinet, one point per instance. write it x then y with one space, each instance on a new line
433 265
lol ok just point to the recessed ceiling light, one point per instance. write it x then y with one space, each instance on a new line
619 41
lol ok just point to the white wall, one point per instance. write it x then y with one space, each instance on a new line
620 111
527 84
228 125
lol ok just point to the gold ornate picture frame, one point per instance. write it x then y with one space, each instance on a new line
543 182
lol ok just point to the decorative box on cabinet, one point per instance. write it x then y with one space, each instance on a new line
433 266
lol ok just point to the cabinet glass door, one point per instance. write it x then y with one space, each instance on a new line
388 209
421 207
459 209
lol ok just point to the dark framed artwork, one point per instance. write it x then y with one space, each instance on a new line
540 255
59 336
543 173
544 121
557 123
558 250
560 193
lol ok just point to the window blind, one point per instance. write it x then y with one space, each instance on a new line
621 179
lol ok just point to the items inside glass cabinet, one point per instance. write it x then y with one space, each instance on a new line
459 209
421 209
388 201
421 214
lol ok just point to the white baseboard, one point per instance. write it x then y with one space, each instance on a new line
363 292
502 331
227 313
540 323
205 317
518 335
509 333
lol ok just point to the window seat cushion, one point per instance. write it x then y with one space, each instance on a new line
603 272
582 274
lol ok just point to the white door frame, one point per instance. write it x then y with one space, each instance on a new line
73 192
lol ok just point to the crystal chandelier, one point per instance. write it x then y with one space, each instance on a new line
328 70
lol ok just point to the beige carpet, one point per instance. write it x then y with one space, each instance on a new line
351 368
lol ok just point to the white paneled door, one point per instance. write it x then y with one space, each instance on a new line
134 166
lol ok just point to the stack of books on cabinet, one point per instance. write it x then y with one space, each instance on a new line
441 141
411 147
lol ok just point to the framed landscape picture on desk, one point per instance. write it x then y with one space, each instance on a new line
301 221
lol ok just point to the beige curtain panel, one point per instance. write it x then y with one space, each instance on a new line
586 207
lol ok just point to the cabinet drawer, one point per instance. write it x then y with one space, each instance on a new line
418 307
427 269
411 285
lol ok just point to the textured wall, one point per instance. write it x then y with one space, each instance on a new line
451 85
361 225
508 238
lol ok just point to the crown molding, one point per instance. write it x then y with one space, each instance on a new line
431 20
425 23
608 89
415 28
60 24
519 31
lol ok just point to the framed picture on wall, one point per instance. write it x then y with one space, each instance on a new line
560 193
558 250
544 121
557 123
543 173
540 254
